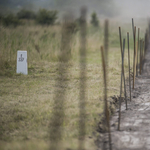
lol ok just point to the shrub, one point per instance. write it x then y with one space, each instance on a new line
26 14
10 20
46 17
1 17
94 20
73 27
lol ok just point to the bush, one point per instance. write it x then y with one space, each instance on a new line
46 17
26 14
1 17
94 20
10 20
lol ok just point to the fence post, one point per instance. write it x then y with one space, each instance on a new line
129 65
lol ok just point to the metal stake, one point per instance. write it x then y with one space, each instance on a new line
140 56
124 74
122 55
105 96
137 66
129 65
120 37
134 56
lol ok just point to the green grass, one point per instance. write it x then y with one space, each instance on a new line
27 101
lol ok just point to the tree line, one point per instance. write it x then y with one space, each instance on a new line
42 17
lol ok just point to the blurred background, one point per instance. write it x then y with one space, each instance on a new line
104 8
37 26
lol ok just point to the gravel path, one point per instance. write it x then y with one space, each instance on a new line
135 122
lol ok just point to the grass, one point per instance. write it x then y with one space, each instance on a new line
27 101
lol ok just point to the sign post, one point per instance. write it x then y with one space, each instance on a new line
22 66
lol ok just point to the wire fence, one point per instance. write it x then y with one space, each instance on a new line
140 48
58 113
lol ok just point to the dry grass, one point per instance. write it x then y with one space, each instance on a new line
27 101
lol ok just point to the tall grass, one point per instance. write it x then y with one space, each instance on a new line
43 42
27 101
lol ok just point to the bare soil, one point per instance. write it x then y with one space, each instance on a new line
135 122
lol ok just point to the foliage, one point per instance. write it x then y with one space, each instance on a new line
10 20
73 26
94 20
31 119
46 17
1 17
26 14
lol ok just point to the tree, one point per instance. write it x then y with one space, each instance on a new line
94 19
1 17
46 17
10 20
26 14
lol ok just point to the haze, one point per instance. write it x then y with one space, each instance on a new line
133 8
119 9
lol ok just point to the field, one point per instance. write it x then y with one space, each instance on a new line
26 102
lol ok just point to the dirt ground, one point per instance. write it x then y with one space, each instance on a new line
134 131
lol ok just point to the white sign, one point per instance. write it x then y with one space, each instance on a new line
22 66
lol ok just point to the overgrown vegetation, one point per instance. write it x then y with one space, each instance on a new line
27 101
46 17
26 14
42 17
10 20
94 19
